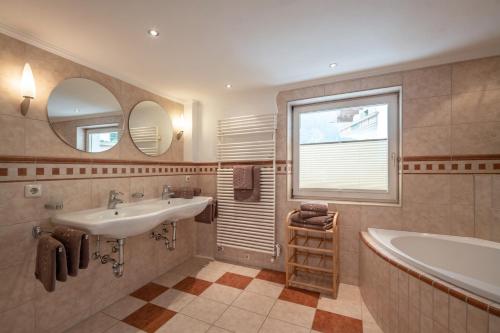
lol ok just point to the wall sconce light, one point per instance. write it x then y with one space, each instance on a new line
27 88
179 126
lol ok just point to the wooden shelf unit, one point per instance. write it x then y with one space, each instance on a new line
312 257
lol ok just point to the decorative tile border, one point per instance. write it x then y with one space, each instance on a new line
19 168
455 292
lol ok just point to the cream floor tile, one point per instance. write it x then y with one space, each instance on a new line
97 323
174 299
121 327
220 293
183 324
293 313
347 303
204 309
208 274
265 288
371 328
254 302
215 329
123 307
170 279
277 326
240 321
365 314
243 270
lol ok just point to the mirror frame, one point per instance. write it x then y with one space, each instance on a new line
63 139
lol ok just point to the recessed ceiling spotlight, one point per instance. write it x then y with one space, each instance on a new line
333 65
153 32
229 86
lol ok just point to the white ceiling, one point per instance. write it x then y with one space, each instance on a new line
253 44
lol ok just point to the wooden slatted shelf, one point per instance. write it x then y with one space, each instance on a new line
312 257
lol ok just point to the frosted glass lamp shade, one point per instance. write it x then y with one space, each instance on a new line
28 83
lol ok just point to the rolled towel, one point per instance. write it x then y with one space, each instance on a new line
243 177
315 206
72 241
50 262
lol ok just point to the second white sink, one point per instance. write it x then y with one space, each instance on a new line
132 218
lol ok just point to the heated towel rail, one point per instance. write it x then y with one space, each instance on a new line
146 139
247 225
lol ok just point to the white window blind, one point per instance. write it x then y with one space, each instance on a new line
347 149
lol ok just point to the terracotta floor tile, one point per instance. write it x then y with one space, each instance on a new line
300 296
328 322
149 318
193 285
149 291
272 276
234 280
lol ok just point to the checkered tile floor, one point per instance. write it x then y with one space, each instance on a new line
212 296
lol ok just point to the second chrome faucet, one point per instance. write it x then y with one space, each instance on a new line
113 199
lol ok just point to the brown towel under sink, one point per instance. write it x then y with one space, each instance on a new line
72 241
51 264
209 214
243 177
84 252
253 194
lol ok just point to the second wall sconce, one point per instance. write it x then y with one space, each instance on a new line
28 90
179 126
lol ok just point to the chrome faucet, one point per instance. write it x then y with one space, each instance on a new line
113 199
167 192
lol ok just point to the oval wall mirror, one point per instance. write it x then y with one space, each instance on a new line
85 115
150 128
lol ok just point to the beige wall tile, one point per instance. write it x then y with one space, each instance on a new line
16 244
382 81
476 75
15 208
42 141
12 59
494 324
426 189
477 320
20 319
427 141
424 112
462 220
441 304
462 189
458 316
427 82
478 106
17 285
12 135
476 138
101 188
342 87
433 218
302 93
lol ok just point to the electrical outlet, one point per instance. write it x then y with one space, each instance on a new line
33 191
188 178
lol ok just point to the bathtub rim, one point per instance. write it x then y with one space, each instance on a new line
383 237
453 291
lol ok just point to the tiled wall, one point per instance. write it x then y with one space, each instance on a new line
29 152
451 158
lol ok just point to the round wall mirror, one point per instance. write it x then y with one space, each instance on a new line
150 128
85 115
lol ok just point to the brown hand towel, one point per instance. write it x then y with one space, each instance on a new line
306 214
252 195
72 241
208 214
243 177
317 220
315 206
196 191
84 252
50 262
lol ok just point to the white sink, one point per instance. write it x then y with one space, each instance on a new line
132 219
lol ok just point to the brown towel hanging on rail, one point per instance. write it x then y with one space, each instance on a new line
50 263
253 194
72 241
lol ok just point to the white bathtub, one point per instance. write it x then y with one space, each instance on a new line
469 263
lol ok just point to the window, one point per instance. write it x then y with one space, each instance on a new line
346 147
98 138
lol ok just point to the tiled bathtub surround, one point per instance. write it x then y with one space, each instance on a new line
404 299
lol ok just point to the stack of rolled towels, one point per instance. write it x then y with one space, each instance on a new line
312 215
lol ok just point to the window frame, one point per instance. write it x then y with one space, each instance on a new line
390 197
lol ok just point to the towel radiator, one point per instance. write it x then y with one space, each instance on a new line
146 139
251 226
